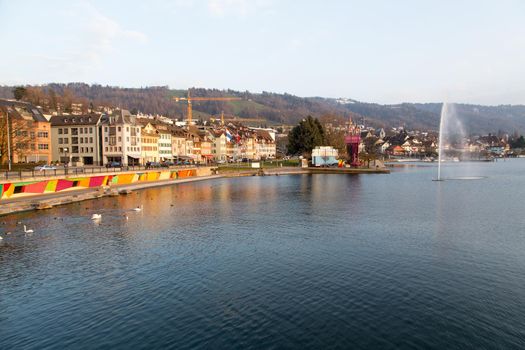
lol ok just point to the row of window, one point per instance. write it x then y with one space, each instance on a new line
76 149
75 131
119 149
75 140
40 134
119 129
31 146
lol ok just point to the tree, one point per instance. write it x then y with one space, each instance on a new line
19 137
305 136
19 92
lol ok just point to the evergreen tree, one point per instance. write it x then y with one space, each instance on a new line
19 92
306 136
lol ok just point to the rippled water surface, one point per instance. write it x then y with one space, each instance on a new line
322 261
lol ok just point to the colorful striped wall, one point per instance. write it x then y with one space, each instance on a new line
14 189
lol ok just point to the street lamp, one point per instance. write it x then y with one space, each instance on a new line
66 163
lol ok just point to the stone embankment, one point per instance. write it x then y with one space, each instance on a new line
50 200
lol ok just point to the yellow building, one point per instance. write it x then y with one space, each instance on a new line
29 133
150 143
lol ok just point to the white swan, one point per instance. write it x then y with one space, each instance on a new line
1 238
138 208
96 216
26 230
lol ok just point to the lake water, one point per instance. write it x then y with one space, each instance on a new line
324 261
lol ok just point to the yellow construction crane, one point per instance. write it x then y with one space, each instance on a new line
190 100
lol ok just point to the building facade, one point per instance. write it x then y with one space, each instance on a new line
29 133
76 139
121 138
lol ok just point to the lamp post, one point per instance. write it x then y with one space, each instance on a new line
66 163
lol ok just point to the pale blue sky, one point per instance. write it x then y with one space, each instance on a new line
375 51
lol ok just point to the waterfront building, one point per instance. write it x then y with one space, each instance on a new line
164 142
219 150
265 147
149 143
121 138
76 139
29 133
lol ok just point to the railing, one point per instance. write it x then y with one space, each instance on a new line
73 171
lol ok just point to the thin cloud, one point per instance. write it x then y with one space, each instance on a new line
239 8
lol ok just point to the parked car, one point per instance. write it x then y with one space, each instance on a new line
167 164
150 165
45 167
113 165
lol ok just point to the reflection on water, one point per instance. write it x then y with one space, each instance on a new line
319 261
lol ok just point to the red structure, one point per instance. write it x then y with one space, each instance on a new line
352 140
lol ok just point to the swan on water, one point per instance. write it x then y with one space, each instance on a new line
26 230
96 216
138 208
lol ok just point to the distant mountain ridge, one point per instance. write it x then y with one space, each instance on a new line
289 109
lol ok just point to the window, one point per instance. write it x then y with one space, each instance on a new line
85 130
106 129
119 129
66 140
119 139
66 131
106 148
127 138
32 134
120 149
127 128
43 146
59 140
91 149
81 149
74 149
43 134
91 140
61 150
90 129
59 131
81 130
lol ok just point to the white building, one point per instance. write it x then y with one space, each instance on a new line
121 138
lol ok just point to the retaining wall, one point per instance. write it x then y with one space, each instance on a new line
24 188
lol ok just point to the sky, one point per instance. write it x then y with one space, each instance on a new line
373 51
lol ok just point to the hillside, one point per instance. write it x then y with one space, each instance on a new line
288 109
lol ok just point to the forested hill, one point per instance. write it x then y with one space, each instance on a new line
282 108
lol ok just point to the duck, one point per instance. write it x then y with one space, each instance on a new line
96 216
138 208
26 230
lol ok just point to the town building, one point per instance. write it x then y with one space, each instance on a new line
121 138
29 133
76 139
149 143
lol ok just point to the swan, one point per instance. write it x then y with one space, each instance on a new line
96 216
1 238
26 230
138 208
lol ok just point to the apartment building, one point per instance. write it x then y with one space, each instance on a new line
76 139
121 138
29 133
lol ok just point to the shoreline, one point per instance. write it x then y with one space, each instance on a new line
50 200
